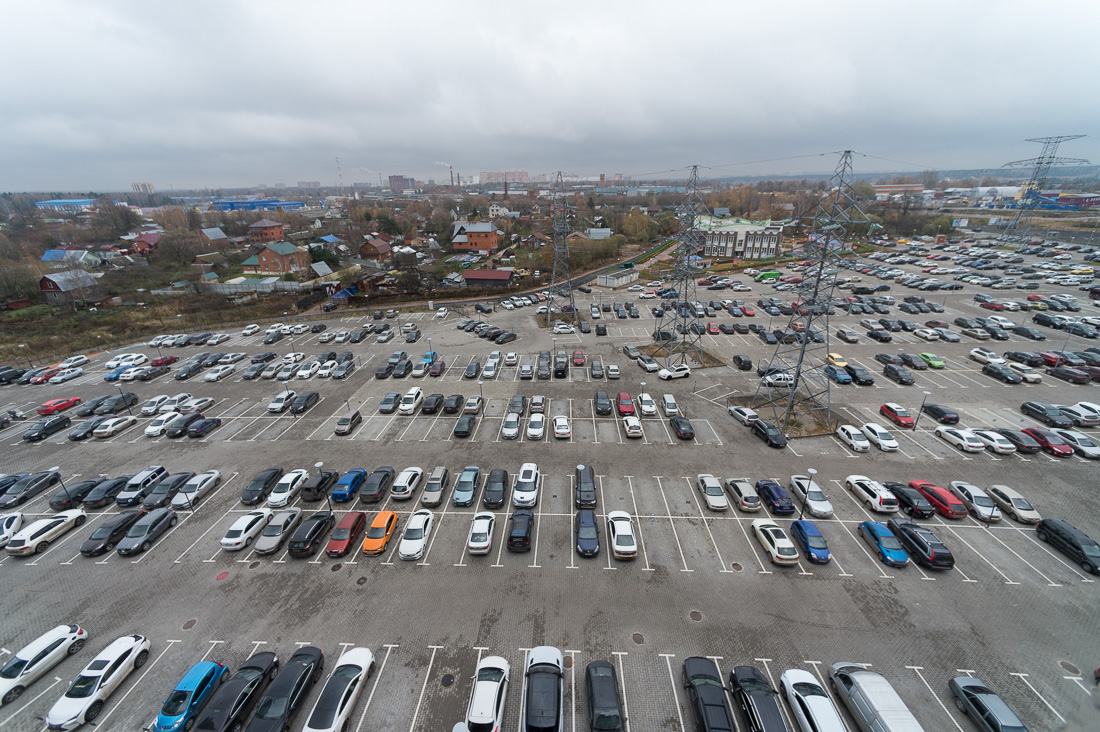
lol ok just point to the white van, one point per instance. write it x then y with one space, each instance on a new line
411 401
871 699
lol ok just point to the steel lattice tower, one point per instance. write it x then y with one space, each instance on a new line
1020 227
805 356
559 275
678 315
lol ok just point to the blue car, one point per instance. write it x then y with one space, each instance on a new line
204 427
466 486
348 485
772 310
588 533
840 376
889 549
775 497
113 375
189 697
811 541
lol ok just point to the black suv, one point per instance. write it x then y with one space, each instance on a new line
521 526
309 536
910 501
1073 542
769 433
585 489
923 546
317 485
707 696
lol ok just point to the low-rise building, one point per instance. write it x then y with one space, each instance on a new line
264 231
276 259
74 285
735 238
487 277
467 237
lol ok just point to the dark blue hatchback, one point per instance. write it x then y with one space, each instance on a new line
588 533
812 542
775 497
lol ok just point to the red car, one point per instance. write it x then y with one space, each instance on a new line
993 305
712 328
164 360
45 376
897 414
578 358
625 404
58 405
346 534
748 311
941 499
1035 298
1049 441
1050 358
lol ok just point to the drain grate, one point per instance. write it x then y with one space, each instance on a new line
254 565
448 679
737 566
361 581
190 624
638 638
1070 667
569 662
336 567
695 615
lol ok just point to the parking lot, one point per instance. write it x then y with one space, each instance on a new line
1013 612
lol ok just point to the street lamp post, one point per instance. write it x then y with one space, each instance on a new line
68 496
23 348
811 472
121 394
480 391
328 502
921 410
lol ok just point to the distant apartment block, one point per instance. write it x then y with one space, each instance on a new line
503 176
739 238
309 184
143 188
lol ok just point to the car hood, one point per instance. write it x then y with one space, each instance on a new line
64 709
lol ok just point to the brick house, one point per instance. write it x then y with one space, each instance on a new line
74 285
277 259
378 247
469 237
264 231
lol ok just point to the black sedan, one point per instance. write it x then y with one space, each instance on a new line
164 491
1072 375
264 357
87 409
942 414
888 359
8 481
1030 333
453 403
85 429
151 372
318 328
260 486
1001 372
310 534
235 699
707 695
28 487
187 371
302 402
743 363
682 427
104 494
70 496
288 692
431 404
1028 358
899 374
860 375
146 530
757 699
344 370
181 424
464 427
913 361
254 371
910 501
110 533
473 369
384 371
402 369
882 336
1024 442
117 403
203 427
44 428
377 485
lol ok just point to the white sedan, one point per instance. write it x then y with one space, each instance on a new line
336 702
196 404
620 533
32 661
809 492
418 530
536 426
777 545
35 538
131 373
246 528
679 371
219 372
646 405
404 485
10 523
173 404
66 375
294 357
73 362
308 370
562 430
850 435
963 439
1081 443
326 369
481 533
633 427
561 328
879 436
161 423
113 426
236 357
125 359
88 693
216 339
711 490
810 703
152 406
285 491
194 489
994 441
744 415
927 334
250 329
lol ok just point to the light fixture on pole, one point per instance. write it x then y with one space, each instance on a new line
480 391
805 499
921 410
68 497
23 348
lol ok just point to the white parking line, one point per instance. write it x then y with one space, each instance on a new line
378 676
917 670
672 681
13 715
637 520
1023 678
672 523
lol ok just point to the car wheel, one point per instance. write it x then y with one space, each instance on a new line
236 727
344 727
959 705
248 541
145 546
1089 569
80 520
75 646
173 521
13 694
1042 535
274 672
868 505
141 659
189 723
42 546
93 711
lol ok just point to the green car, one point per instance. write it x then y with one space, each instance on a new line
933 360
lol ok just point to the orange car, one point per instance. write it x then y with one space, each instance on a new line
380 532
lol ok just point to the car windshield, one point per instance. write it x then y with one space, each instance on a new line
807 689
786 551
272 707
12 668
890 542
176 703
624 540
83 687
1092 550
587 532
751 685
341 534
1021 504
490 674
137 530
713 489
103 532
816 542
414 533
815 495
983 501
608 719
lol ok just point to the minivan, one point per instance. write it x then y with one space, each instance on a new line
348 421
871 699
432 495
668 403
138 487
1071 541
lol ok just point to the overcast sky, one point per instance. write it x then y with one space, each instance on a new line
98 94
